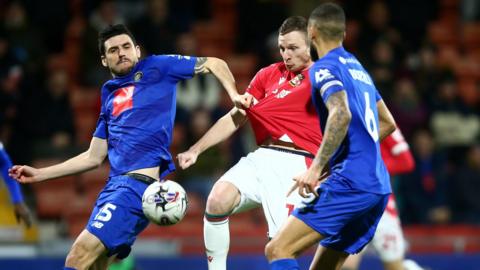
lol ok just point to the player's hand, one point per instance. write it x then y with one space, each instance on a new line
187 159
24 174
307 182
22 213
243 101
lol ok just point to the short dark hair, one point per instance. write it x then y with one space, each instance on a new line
329 19
111 31
294 23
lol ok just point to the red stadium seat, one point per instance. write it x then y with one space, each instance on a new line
442 33
471 35
52 197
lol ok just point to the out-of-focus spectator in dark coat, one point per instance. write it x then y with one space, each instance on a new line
466 191
424 191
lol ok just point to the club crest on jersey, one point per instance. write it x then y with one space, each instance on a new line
138 76
297 80
123 100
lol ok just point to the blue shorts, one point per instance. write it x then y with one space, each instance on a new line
118 218
346 217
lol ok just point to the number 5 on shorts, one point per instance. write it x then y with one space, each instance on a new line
105 214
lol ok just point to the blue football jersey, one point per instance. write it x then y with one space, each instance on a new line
358 158
138 112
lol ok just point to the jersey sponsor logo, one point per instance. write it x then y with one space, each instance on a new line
360 75
179 56
322 74
283 93
344 60
123 100
97 225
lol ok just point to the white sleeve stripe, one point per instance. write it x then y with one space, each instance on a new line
328 85
400 148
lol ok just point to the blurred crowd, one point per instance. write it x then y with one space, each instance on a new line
424 57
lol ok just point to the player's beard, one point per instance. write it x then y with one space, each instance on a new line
123 72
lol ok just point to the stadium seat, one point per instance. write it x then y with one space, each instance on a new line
447 56
468 91
442 33
52 197
471 35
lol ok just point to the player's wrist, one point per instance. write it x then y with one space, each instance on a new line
194 151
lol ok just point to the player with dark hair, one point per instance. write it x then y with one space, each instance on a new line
21 211
346 207
135 130
287 130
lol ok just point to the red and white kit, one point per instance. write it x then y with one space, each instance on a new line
283 111
388 240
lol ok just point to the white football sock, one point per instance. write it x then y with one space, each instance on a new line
216 235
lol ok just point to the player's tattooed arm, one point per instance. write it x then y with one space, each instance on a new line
200 65
219 69
336 127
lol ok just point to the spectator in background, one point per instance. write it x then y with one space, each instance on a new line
156 30
424 191
92 71
424 66
466 190
201 176
11 78
382 67
52 117
254 26
51 18
409 110
455 126
26 41
376 25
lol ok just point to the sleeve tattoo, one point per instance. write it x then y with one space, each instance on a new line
200 65
336 127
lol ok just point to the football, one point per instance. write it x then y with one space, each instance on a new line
165 203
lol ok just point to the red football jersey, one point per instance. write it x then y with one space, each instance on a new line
284 110
396 154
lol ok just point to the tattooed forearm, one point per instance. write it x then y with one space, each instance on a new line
339 117
200 65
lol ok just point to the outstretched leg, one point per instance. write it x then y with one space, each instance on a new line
86 249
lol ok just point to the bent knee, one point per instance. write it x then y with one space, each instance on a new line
222 199
274 251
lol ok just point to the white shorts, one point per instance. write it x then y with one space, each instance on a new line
263 178
388 241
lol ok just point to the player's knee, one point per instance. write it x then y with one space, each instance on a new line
216 206
221 201
273 251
